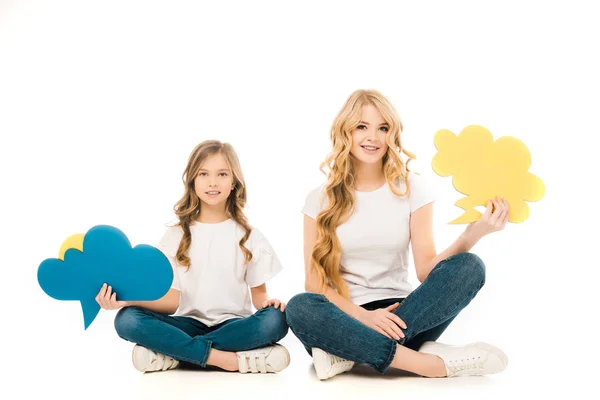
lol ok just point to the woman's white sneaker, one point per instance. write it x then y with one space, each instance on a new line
328 365
472 359
273 358
146 360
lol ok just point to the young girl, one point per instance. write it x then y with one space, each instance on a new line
359 306
206 317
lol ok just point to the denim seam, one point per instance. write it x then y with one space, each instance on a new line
208 347
435 270
440 320
341 353
388 362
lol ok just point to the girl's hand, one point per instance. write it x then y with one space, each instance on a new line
108 300
275 303
493 219
384 321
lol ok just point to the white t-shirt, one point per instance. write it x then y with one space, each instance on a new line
216 286
375 240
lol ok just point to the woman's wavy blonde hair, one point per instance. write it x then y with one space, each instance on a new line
339 187
187 208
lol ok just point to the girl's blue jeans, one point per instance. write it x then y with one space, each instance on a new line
188 340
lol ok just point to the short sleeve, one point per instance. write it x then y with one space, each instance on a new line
264 264
168 245
421 191
313 203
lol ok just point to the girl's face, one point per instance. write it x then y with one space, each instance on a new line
368 138
214 181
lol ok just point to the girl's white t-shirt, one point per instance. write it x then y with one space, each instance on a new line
375 239
216 286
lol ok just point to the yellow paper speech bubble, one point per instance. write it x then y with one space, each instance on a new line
72 242
482 169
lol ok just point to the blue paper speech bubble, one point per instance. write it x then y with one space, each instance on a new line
141 273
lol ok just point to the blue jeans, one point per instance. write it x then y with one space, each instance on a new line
188 340
427 312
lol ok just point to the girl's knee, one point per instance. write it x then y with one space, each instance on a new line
273 323
127 321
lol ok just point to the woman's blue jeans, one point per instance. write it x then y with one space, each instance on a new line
427 312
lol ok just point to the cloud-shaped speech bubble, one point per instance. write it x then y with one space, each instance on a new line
483 169
105 255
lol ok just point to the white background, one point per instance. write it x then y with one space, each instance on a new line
102 101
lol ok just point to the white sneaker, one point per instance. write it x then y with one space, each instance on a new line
328 365
146 360
273 358
472 359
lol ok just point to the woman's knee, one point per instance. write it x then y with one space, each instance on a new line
470 268
300 306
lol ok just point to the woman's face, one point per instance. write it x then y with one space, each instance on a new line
368 138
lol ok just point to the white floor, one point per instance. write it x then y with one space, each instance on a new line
97 364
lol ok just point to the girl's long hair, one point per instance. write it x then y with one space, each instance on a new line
339 187
187 208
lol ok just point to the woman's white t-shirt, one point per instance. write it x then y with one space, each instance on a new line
375 239
216 286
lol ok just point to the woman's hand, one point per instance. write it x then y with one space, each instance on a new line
275 303
492 220
108 300
384 321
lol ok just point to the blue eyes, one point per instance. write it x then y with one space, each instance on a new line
383 128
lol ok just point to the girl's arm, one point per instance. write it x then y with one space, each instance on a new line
260 298
421 233
167 304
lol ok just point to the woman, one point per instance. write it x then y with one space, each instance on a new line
359 306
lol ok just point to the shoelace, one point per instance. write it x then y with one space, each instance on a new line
339 364
255 362
467 365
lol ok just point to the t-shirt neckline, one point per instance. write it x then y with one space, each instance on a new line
215 224
359 193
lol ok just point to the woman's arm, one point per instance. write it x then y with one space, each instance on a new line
311 282
421 233
382 320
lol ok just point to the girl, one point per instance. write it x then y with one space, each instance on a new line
359 306
206 317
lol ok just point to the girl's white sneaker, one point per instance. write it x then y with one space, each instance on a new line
273 358
146 360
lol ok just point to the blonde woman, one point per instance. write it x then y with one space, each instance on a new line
359 306
221 265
